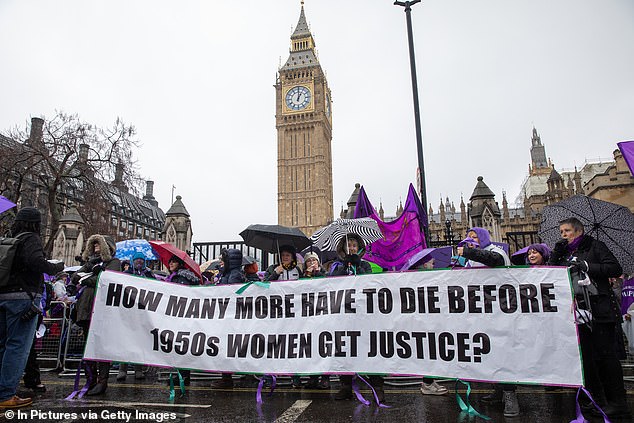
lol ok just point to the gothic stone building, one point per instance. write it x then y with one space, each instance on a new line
127 216
544 185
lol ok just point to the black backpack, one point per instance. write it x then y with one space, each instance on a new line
8 248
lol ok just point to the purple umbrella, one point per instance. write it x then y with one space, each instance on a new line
519 257
441 256
5 204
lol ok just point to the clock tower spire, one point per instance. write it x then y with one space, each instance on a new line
303 120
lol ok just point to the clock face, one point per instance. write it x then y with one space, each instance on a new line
298 98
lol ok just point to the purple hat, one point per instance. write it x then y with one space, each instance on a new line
542 249
484 238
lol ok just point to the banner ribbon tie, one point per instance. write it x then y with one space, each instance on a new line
465 405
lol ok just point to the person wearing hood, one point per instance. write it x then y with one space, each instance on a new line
232 267
537 255
98 256
138 267
350 252
479 251
587 257
287 269
19 304
231 273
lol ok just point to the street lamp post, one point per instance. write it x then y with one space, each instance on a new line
419 135
448 232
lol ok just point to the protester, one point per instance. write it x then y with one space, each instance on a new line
429 386
138 267
312 269
232 267
350 251
98 256
125 266
19 304
231 274
178 273
312 266
537 254
251 272
287 269
586 256
479 251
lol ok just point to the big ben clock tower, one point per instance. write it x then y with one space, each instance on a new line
303 118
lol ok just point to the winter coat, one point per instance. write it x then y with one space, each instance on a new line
491 256
232 269
318 274
184 277
145 272
602 265
350 265
94 264
291 274
29 264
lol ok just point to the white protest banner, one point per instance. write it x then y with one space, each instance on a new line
505 325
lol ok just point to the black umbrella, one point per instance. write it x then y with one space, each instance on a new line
271 237
607 222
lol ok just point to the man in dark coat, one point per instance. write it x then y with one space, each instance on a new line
588 256
19 304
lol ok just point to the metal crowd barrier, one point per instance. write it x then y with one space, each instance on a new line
49 347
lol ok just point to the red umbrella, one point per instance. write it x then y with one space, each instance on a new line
165 251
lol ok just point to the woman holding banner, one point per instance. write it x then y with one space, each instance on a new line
479 251
590 258
350 250
98 256
287 269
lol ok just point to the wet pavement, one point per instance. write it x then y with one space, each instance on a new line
148 401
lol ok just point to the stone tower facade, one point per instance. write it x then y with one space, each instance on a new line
303 117
178 226
69 239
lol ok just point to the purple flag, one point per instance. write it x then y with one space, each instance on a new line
627 149
5 204
627 295
402 238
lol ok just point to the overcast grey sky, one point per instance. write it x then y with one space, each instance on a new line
196 79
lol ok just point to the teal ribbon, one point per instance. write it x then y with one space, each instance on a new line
181 383
248 284
465 405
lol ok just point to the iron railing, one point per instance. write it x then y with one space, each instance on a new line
205 251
